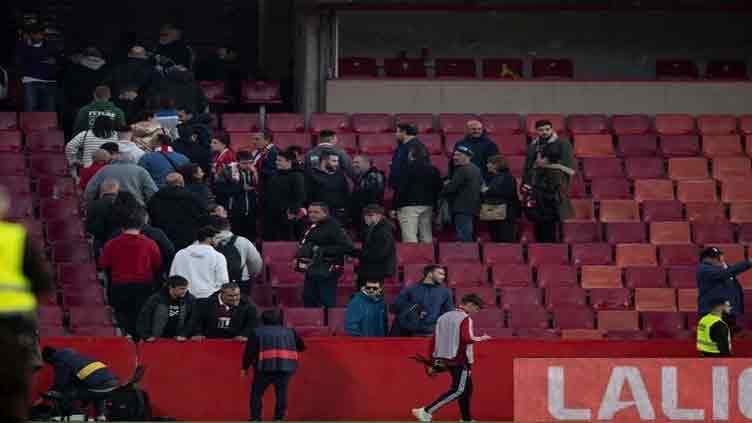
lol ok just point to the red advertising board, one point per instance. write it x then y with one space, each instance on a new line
632 390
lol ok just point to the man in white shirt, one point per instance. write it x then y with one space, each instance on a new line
203 266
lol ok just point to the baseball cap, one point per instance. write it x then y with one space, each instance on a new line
464 150
710 252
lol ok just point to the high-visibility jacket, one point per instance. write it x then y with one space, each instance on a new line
277 349
704 342
15 289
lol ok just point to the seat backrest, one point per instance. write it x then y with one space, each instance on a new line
405 68
337 122
618 320
653 189
455 68
631 124
422 121
501 123
454 122
685 168
240 122
674 124
285 122
629 255
495 253
717 124
601 277
619 211
697 190
372 122
655 299
588 124
548 254
669 233
592 254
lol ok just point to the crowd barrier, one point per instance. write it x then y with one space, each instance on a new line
339 378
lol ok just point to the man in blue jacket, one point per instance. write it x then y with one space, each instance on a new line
717 280
366 312
163 160
419 306
406 137
479 143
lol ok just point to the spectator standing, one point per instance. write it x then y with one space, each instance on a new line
130 176
265 158
366 312
100 106
193 175
321 256
170 313
163 160
145 130
369 184
717 280
235 187
98 214
132 262
136 72
406 138
378 257
416 196
300 157
226 314
167 116
328 142
243 259
273 351
172 46
129 150
38 64
463 190
328 184
129 101
177 211
713 333
283 202
478 142
223 155
418 307
81 77
203 266
181 86
79 150
502 190
101 158
191 147
195 122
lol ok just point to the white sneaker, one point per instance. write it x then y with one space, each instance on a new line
422 415
102 418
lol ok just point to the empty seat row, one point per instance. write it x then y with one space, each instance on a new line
622 211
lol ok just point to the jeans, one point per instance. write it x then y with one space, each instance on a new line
463 224
261 381
415 223
39 96
320 291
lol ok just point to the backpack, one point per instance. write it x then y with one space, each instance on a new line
234 260
129 404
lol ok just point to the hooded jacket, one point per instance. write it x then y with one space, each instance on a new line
242 323
178 212
366 316
203 266
155 315
378 258
482 148
250 259
330 188
432 299
160 164
89 113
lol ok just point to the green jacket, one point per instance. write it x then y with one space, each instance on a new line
89 113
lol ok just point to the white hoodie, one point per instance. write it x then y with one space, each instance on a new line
204 267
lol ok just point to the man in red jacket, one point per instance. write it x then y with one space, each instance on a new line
452 348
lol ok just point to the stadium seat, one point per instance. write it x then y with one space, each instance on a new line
290 296
626 232
466 274
495 253
285 122
674 124
731 167
370 123
635 255
525 297
577 188
215 91
745 124
517 168
618 320
573 318
706 212
655 299
415 253
38 121
499 68
610 189
583 210
602 167
358 67
501 123
539 254
682 277
589 145
631 124
601 277
433 144
263 295
662 211
284 140
413 272
454 122
50 164
17 185
553 69
645 277
50 187
664 325
378 143
619 211
511 275
688 168
405 68
8 121
726 69
10 142
489 318
565 297
645 168
346 141
283 274
687 299
50 315
669 233
627 335
712 233
653 189
581 232
91 321
279 252
679 255
591 254
455 68
588 124
736 190
64 230
422 121
741 213
243 141
59 209
698 190
554 275
611 298
260 92
582 334
527 317
486 294
644 145
83 275
21 207
676 69
680 145
89 297
335 320
557 121
297 317
716 125
721 145
510 144
459 252
337 122
241 122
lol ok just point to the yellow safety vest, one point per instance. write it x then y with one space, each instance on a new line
704 342
15 290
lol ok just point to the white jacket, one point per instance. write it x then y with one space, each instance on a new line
204 268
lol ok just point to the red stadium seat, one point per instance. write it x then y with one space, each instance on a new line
626 232
8 121
405 68
653 189
336 320
588 124
726 69
610 189
631 124
679 255
494 253
688 168
655 299
565 297
64 230
284 140
583 210
662 211
511 275
676 69
214 91
282 274
699 190
591 254
664 325
260 92
290 296
372 123
645 277
706 212
10 142
601 277
37 121
680 145
539 254
637 145
76 274
716 124
454 122
669 233
357 67
668 124
741 212
635 255
511 144
618 320
682 277
459 252
455 68
378 143
526 317
408 253
466 274
285 122
50 315
721 145
263 295
414 272
745 124
17 185
553 275
488 318
486 294
645 168
731 167
21 207
279 252
243 141
501 123
91 321
573 318
241 122
422 121
627 335
687 300
49 187
602 167
712 233
582 334
557 121
611 298
581 232
620 211
337 122
517 167
553 69
297 317
502 68
50 164
59 209
736 190
433 143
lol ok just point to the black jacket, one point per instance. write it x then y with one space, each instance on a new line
138 73
242 323
79 82
98 221
482 149
331 189
195 152
201 191
463 190
166 247
420 186
200 122
502 189
179 213
400 160
231 194
285 191
155 315
378 258
179 85
331 241
177 51
715 282
369 188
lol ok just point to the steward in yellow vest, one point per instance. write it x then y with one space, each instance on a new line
713 334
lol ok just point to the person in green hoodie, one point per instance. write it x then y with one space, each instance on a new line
366 312
101 106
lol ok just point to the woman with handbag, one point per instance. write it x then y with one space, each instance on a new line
500 205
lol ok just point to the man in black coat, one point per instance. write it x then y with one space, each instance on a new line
181 86
284 199
136 72
98 214
327 184
177 211
717 280
479 143
169 313
378 258
368 188
225 315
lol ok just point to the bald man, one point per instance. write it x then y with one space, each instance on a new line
478 142
177 211
135 72
100 158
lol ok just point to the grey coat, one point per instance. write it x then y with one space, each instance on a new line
155 314
131 177
463 190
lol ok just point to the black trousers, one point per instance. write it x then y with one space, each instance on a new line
127 300
547 232
261 381
16 368
320 291
277 227
244 225
460 390
503 231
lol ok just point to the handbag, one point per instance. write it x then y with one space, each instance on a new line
491 212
